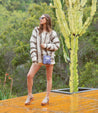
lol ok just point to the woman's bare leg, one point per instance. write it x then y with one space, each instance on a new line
49 70
33 70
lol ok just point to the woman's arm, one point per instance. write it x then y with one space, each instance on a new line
33 45
55 43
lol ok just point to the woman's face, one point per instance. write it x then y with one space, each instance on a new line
42 19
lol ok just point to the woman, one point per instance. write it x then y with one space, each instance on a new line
44 41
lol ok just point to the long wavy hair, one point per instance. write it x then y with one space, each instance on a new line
48 24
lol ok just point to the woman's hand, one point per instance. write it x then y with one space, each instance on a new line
42 46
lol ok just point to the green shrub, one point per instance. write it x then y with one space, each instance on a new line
89 75
5 94
6 87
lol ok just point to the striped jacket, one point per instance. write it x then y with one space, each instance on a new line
51 44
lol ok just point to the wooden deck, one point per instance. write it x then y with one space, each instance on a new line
86 102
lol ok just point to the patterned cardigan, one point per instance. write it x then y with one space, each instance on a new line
51 44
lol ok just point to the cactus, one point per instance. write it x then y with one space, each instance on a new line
72 27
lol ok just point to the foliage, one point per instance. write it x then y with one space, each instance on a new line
88 46
6 87
5 94
12 5
41 1
88 74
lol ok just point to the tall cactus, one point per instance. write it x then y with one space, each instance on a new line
72 28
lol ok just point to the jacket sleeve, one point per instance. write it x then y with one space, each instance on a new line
33 45
55 43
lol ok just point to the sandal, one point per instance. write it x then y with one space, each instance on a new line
29 100
45 101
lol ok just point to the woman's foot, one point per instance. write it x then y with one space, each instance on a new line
29 100
45 101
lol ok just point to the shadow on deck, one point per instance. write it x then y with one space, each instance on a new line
86 102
